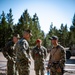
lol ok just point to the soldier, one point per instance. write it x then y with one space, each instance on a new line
57 58
39 53
9 54
22 54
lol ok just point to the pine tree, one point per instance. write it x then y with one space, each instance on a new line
72 31
24 22
37 32
10 30
3 29
63 35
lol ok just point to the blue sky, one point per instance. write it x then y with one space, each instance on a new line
56 11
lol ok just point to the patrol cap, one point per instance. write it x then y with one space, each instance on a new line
28 31
38 40
53 38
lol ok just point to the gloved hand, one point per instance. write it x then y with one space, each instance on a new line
58 69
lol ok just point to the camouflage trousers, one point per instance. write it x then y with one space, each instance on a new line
11 68
23 68
39 68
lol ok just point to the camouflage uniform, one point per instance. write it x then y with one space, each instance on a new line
57 60
8 53
39 54
22 54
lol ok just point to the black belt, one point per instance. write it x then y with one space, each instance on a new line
55 62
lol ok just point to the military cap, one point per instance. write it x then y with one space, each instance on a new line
53 38
38 40
17 35
29 31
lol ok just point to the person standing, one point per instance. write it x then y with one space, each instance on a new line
22 54
39 53
56 62
9 54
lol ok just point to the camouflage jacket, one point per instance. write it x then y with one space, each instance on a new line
57 56
8 50
22 50
39 53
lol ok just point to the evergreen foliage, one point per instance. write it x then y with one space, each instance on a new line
7 28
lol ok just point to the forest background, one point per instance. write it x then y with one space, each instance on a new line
8 28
